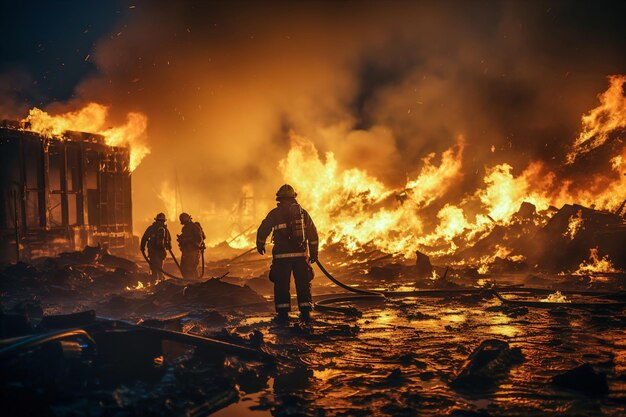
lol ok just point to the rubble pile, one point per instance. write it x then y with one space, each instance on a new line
93 278
554 241
83 277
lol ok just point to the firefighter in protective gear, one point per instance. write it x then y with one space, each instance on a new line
158 240
190 242
293 234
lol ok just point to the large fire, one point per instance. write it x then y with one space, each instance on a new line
601 121
92 118
355 209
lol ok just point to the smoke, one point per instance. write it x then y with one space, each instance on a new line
380 84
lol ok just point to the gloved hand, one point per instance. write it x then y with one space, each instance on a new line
260 247
312 258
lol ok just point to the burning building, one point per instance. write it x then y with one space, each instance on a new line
62 192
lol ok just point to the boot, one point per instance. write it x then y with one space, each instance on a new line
282 317
305 315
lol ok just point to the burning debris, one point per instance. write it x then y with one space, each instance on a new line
512 218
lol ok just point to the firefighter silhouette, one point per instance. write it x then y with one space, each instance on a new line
190 242
158 240
293 234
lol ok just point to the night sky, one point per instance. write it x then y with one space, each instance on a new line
45 46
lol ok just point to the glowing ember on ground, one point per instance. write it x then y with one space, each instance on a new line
556 297
139 286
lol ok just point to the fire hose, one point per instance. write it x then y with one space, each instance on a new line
323 305
158 268
176 260
18 345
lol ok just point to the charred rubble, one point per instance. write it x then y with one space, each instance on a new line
558 241
58 356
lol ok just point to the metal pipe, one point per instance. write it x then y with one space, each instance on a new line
195 340
30 342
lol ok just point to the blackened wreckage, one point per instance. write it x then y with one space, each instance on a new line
61 193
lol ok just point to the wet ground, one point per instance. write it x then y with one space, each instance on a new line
397 359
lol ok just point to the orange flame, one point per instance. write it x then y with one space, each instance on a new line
505 193
92 119
601 121
596 265
353 208
433 181
556 297
137 287
350 206
575 223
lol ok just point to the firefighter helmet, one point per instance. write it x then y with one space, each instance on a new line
184 218
286 191
160 217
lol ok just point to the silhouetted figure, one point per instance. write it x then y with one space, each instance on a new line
293 233
158 240
190 242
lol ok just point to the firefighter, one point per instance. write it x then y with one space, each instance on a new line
190 242
293 233
158 240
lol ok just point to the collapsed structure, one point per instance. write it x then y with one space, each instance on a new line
61 193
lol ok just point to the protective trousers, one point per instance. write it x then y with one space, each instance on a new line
280 274
156 256
189 261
